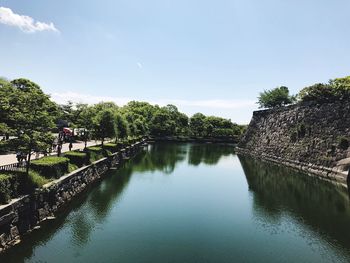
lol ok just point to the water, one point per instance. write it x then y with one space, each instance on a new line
197 203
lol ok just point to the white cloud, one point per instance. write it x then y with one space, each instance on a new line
218 104
238 110
86 98
25 23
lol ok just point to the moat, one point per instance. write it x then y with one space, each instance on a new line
197 203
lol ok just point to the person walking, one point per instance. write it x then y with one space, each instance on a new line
18 157
70 146
59 148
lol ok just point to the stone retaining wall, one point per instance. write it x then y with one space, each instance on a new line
307 137
24 214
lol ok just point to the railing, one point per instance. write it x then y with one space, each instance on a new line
13 167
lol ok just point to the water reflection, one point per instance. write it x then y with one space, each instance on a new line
317 204
209 154
165 156
90 210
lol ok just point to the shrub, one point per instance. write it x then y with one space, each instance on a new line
96 149
343 143
336 90
36 180
112 147
51 167
95 153
77 158
294 136
5 188
72 167
301 130
318 93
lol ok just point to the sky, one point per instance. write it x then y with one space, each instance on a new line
203 56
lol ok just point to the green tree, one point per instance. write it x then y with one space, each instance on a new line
162 123
121 127
7 97
32 116
336 90
85 120
277 97
105 126
197 124
318 92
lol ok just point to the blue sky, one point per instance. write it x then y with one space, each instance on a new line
208 56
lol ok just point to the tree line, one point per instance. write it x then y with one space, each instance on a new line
335 90
28 114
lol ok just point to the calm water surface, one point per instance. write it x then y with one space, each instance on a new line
197 203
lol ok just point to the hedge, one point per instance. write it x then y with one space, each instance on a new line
14 184
5 188
95 153
112 147
51 166
78 158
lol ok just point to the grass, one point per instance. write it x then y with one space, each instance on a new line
50 160
95 149
37 180
72 167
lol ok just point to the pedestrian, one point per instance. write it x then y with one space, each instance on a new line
70 146
54 144
59 148
18 157
23 157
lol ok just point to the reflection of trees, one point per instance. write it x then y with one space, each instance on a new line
208 153
91 208
164 156
322 206
99 204
161 157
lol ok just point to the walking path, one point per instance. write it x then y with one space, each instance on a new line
11 158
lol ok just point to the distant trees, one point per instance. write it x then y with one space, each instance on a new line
277 97
27 113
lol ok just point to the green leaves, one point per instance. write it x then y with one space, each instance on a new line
336 90
277 97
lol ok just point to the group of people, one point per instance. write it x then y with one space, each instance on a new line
21 157
57 145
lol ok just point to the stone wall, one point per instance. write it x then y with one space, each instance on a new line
24 214
309 137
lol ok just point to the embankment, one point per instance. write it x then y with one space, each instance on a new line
25 214
311 137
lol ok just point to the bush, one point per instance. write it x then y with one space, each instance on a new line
318 93
72 167
78 158
36 180
95 153
343 143
112 147
336 90
51 167
5 188
301 130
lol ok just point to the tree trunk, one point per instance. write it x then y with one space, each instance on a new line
85 137
28 162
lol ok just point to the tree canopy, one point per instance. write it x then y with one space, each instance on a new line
276 97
